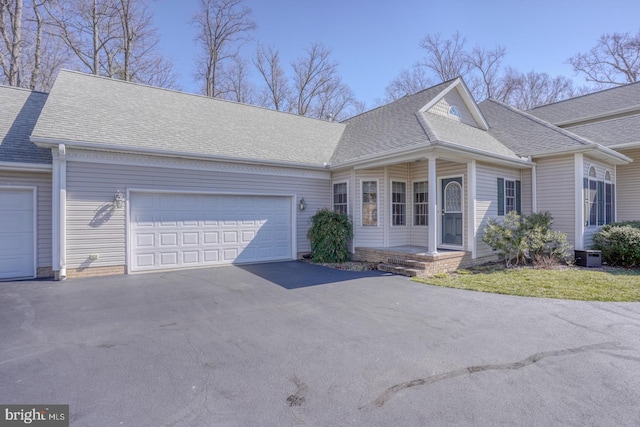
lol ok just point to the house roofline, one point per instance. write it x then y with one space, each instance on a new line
625 145
611 155
398 156
53 142
25 167
466 96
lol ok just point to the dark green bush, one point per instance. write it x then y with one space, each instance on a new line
522 239
619 243
329 235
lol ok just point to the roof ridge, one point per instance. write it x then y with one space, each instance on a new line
585 95
548 125
196 95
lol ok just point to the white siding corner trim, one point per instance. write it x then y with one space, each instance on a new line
471 212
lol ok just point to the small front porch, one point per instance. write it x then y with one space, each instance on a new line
416 260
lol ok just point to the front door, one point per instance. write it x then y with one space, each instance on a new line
452 211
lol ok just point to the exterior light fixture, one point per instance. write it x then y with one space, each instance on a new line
118 200
302 204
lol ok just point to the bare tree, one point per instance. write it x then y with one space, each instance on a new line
532 89
235 84
614 60
409 81
223 27
485 65
311 75
445 58
277 92
112 38
11 32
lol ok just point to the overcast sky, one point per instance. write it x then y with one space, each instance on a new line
373 40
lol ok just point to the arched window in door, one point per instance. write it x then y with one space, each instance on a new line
453 197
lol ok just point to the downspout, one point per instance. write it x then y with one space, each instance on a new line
59 214
534 189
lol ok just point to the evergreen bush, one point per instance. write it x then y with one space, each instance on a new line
522 239
329 234
619 243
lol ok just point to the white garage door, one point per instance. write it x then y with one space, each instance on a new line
17 230
171 231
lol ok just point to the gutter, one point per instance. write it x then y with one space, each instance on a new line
51 143
621 158
25 167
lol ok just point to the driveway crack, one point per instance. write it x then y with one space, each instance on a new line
534 358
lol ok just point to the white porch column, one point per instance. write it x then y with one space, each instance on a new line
59 213
472 232
579 202
434 218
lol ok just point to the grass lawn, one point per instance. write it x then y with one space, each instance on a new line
567 283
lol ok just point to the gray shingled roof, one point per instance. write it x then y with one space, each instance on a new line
525 134
615 99
106 112
19 111
622 130
390 127
398 126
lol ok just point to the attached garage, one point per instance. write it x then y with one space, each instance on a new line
177 230
17 233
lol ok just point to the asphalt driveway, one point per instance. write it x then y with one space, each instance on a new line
291 344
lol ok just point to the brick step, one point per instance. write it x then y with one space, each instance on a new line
420 265
400 269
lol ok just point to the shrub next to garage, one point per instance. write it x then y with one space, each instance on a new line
329 234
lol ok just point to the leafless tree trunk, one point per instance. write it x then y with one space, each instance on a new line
11 32
312 74
529 90
614 60
277 92
223 26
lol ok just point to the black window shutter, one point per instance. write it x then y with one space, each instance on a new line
518 198
500 196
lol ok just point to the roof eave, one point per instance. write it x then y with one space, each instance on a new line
600 151
52 142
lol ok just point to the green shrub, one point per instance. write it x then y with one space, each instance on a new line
619 244
522 239
329 235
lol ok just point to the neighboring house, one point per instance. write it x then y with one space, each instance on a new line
146 179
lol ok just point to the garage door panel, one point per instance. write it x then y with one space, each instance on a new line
17 231
192 230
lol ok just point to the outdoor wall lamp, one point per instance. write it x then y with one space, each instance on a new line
118 200
301 204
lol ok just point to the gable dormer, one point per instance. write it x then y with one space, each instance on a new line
456 103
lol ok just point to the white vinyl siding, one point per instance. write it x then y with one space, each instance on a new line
419 235
627 178
94 227
556 193
42 181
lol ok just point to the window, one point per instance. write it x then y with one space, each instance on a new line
454 112
599 199
509 196
340 197
398 203
420 203
369 203
608 198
